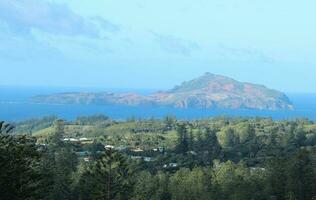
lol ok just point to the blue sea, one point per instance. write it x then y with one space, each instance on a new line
15 106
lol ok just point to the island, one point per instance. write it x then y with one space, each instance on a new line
209 91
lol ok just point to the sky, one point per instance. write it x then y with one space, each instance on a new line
157 44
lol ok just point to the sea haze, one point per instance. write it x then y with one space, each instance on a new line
15 106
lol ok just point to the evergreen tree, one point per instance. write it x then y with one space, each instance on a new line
153 187
231 181
84 182
190 185
169 122
277 178
112 176
301 176
20 177
145 186
208 147
63 162
5 128
183 143
228 138
213 146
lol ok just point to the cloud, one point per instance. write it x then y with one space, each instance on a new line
243 54
174 44
19 49
22 16
106 25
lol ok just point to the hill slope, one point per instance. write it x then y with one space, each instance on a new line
208 91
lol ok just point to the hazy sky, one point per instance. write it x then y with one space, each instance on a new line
157 43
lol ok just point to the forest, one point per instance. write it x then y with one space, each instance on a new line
95 157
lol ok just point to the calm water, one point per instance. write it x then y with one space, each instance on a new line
14 105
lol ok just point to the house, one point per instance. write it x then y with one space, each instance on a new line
87 159
120 148
137 150
257 169
136 157
173 165
109 147
147 159
85 140
170 165
159 149
70 140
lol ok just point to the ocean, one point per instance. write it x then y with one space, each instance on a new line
15 106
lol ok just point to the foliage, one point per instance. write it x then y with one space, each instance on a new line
20 177
169 159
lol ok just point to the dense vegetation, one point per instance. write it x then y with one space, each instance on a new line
98 158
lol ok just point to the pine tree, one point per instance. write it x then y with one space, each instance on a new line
111 174
277 178
213 146
302 176
84 182
5 128
20 177
183 143
63 162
